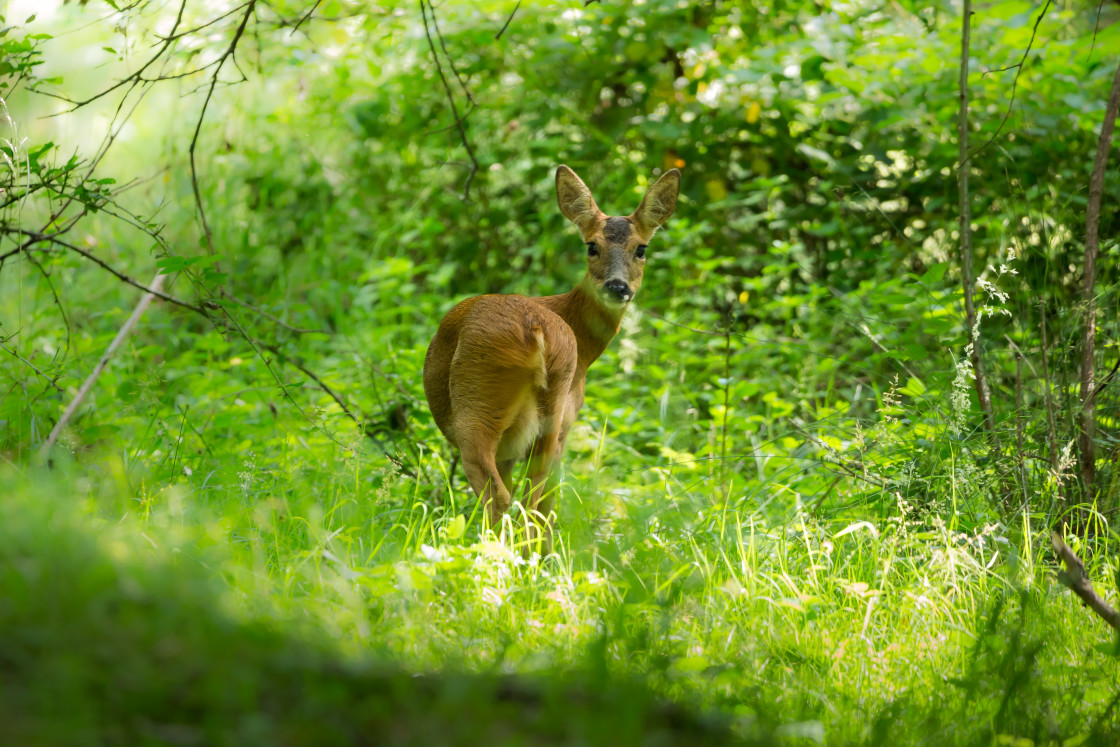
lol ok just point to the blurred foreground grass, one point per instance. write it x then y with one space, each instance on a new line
107 639
117 630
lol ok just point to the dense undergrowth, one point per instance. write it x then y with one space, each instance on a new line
781 505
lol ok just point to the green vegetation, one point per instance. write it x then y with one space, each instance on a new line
107 645
784 507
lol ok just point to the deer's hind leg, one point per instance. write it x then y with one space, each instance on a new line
545 457
488 400
484 477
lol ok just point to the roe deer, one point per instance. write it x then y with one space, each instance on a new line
504 375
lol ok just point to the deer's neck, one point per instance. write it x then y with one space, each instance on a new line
594 325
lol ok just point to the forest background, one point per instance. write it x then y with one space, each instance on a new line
810 496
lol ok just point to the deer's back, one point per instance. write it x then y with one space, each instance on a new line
496 352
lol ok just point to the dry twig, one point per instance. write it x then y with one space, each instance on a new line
153 291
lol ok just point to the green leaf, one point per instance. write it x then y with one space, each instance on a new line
171 264
913 388
934 274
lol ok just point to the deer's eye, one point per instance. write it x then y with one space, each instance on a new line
641 253
592 249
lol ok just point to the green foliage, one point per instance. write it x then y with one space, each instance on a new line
779 501
106 644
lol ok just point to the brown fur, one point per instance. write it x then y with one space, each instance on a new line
504 375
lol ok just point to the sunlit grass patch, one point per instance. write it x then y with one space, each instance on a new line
717 603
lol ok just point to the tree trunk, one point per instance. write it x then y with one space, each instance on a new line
1088 291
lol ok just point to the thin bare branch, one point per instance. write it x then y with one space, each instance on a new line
256 345
306 15
57 302
450 59
1096 28
33 367
1107 380
229 52
119 275
134 79
270 317
1014 86
509 20
295 362
326 388
1051 427
424 6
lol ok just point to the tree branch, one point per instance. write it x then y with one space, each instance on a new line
358 421
230 51
51 238
137 77
509 20
1077 580
1014 86
270 317
450 98
450 59
33 367
311 375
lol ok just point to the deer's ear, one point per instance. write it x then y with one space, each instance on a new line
576 202
659 203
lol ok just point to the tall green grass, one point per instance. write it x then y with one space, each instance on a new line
112 634
902 631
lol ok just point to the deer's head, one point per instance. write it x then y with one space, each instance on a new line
616 246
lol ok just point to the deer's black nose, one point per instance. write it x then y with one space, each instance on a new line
619 289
